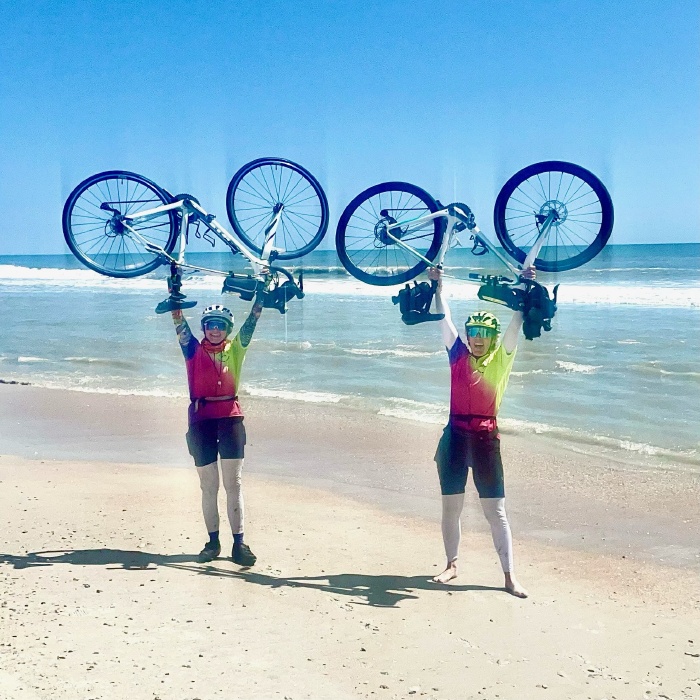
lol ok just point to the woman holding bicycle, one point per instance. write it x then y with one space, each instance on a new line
215 417
479 375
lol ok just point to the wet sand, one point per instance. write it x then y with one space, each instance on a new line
101 595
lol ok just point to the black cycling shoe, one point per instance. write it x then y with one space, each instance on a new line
209 553
242 555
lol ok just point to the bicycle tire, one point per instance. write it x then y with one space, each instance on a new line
583 205
362 228
254 192
93 234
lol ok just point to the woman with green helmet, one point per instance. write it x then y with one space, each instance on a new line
480 369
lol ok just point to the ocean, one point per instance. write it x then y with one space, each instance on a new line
619 374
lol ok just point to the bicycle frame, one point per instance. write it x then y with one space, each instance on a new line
236 246
459 217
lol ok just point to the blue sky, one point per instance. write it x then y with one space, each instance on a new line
454 96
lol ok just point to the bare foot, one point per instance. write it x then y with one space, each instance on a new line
514 588
448 574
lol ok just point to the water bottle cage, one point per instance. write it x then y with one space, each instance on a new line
414 303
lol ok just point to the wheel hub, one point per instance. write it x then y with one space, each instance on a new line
381 232
559 209
114 227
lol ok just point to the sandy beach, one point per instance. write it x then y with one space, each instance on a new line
101 595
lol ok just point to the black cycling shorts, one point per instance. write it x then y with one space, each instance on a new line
458 450
207 439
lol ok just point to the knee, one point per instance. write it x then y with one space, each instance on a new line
209 478
494 510
231 470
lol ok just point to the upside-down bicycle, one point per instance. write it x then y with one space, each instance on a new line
122 224
553 215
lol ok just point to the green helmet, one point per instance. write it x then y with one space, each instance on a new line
484 319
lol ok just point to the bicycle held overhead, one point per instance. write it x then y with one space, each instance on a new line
553 215
122 224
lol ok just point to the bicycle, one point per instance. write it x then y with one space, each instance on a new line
122 224
555 215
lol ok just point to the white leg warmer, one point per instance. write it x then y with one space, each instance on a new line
451 525
231 471
209 481
495 512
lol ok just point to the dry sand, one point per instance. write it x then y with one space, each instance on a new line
101 595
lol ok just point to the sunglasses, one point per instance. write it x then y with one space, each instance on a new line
215 326
480 332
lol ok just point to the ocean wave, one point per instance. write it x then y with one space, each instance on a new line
103 361
575 367
692 375
294 395
29 358
281 346
612 448
394 352
64 385
592 293
417 411
654 368
579 439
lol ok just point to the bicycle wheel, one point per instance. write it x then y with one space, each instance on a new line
93 230
361 239
583 208
263 187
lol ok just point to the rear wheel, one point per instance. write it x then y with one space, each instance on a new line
265 186
583 214
362 241
93 228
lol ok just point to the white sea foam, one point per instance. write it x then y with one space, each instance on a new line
582 441
84 387
393 352
529 372
418 411
626 295
290 395
674 373
29 358
575 367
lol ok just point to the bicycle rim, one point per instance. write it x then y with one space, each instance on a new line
263 186
94 234
583 214
364 247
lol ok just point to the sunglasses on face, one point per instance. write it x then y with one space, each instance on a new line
480 332
215 326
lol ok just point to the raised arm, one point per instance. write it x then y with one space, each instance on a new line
248 328
447 328
512 333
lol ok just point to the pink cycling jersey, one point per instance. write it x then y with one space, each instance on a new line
477 386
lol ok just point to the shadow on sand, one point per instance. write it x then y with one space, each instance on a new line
384 591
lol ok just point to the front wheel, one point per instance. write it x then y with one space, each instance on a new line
371 223
267 186
93 228
582 214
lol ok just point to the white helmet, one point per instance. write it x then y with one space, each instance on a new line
219 313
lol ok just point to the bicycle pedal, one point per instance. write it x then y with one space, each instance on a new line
173 304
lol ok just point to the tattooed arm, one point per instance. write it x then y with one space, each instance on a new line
248 328
184 334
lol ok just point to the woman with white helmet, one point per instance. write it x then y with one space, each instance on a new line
215 418
480 370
